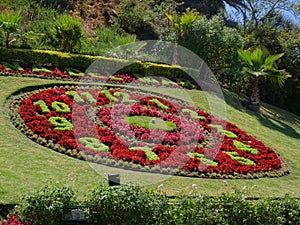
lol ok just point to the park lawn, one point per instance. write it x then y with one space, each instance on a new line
27 166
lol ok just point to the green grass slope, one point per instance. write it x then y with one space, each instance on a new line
27 166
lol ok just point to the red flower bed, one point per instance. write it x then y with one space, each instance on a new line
52 72
14 220
94 125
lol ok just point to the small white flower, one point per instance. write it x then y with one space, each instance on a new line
160 186
243 197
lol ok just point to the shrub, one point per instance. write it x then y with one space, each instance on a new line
106 39
126 205
134 18
46 205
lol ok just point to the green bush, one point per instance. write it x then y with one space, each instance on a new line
126 205
106 39
46 205
134 17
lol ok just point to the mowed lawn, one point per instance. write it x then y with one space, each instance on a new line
26 166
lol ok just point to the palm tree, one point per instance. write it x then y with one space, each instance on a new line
10 26
68 32
260 64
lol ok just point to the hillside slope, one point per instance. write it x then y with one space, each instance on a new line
27 166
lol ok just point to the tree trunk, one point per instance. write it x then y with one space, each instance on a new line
66 46
7 45
254 99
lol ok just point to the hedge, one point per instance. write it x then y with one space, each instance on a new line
82 62
96 63
127 204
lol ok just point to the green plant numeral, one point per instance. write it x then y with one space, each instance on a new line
203 159
241 146
159 104
94 144
113 78
75 96
74 73
78 98
242 160
193 114
109 96
61 123
61 107
37 69
126 97
43 106
89 97
220 129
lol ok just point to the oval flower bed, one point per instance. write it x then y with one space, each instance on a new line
138 130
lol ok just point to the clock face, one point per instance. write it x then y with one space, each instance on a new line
147 131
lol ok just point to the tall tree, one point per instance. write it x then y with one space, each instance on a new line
253 13
211 7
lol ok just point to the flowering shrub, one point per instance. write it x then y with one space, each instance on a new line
114 125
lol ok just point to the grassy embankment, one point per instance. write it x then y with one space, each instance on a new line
27 166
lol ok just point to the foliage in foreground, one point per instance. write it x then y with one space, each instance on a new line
127 204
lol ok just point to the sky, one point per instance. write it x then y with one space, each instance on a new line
295 19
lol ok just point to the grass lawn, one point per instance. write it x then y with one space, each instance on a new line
26 166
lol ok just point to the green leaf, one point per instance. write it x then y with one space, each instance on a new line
270 60
246 57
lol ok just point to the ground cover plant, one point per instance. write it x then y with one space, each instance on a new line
138 130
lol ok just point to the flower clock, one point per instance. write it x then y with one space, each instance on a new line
140 130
